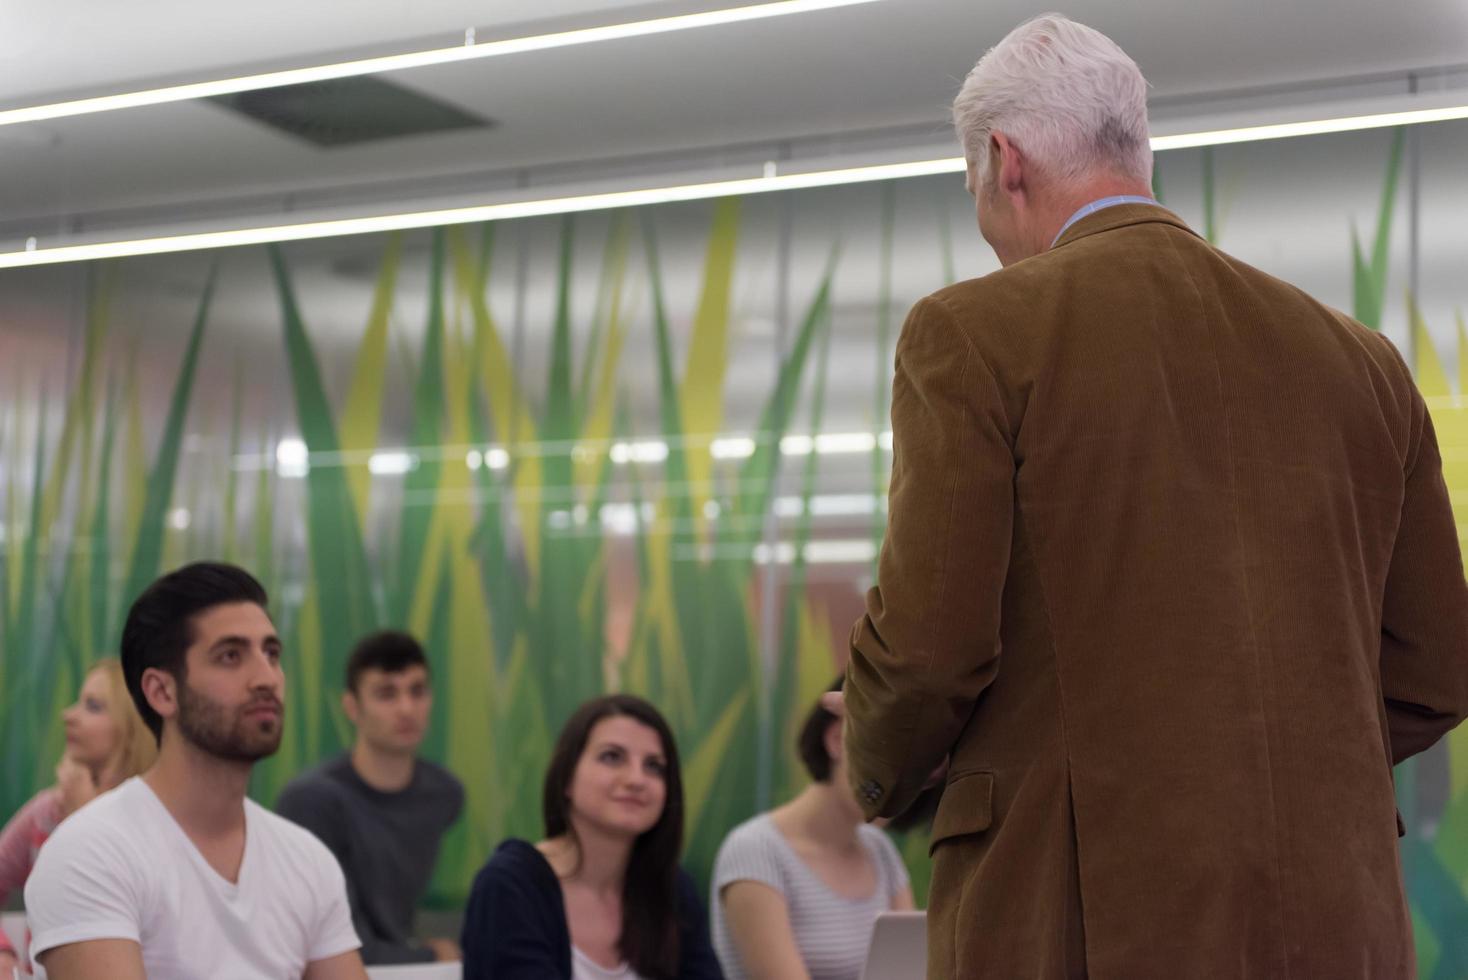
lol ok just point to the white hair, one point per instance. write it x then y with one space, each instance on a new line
1068 97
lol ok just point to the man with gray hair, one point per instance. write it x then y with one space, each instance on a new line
1170 576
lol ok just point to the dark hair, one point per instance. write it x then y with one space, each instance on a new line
649 940
386 650
159 626
811 742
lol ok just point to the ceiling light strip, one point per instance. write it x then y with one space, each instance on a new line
488 212
419 59
664 195
1316 127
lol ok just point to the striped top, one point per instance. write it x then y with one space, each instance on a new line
831 931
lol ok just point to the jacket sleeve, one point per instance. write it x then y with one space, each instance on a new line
696 958
507 934
929 642
1424 621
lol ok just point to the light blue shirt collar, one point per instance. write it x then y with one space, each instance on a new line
1097 205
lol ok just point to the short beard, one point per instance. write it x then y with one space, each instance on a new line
204 724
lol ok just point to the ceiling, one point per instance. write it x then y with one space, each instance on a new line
856 78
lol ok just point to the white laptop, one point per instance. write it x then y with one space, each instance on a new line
899 949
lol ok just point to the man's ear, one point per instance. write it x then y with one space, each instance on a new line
350 706
1007 164
160 688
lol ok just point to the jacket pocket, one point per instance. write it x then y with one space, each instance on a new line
967 807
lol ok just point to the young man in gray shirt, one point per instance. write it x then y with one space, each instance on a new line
379 808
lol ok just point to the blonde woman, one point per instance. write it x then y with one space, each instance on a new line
106 743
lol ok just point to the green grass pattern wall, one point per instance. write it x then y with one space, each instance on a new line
504 571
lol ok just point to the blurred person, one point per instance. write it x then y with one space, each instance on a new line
176 874
106 743
797 890
1170 570
602 896
379 808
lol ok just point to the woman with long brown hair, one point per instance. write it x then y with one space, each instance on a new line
106 743
602 895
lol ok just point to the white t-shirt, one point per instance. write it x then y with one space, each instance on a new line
122 868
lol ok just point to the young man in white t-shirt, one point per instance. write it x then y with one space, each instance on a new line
175 874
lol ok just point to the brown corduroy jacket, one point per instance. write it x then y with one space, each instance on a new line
1170 571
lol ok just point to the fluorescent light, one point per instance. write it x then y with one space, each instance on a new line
796 445
827 505
856 550
788 507
768 183
486 212
829 443
418 59
292 459
652 451
842 504
841 551
845 442
391 463
496 458
885 441
1316 127
732 447
783 553
619 518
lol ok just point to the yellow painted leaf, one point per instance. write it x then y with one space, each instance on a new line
80 406
708 758
308 701
600 419
361 415
513 420
1431 378
676 696
702 395
135 470
1458 762
14 543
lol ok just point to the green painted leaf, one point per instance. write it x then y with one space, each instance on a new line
148 550
420 485
333 532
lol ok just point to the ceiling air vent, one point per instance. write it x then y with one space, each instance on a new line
349 111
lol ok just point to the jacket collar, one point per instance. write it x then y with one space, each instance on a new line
1120 216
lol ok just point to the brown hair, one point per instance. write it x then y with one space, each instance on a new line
649 941
810 744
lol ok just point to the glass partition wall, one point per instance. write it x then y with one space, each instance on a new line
642 450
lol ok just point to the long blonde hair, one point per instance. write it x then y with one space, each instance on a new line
136 747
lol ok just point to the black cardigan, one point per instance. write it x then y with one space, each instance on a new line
515 924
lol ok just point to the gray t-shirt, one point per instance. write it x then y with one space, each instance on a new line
386 843
832 932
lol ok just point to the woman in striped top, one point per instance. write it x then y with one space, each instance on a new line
796 891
